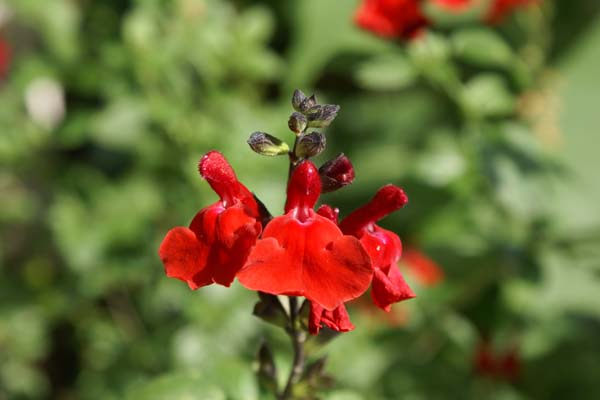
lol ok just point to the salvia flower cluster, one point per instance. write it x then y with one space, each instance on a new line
305 252
407 18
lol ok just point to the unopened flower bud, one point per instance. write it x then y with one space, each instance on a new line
310 145
297 99
308 103
336 173
267 145
297 122
322 116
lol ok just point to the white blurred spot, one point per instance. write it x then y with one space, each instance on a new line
5 13
45 102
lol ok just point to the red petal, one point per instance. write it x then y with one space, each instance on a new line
213 249
182 255
389 289
329 212
303 190
387 200
384 247
220 176
338 319
311 259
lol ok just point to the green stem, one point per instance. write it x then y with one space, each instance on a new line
298 337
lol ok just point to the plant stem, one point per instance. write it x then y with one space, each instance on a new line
298 338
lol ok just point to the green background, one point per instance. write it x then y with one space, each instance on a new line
492 131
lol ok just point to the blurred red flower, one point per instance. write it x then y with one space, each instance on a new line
489 363
384 247
305 254
425 271
218 241
406 18
5 57
454 5
391 18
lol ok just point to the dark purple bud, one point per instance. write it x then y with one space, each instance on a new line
322 116
308 103
297 98
336 173
310 145
297 123
267 145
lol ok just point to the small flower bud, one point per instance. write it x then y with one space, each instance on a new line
336 173
322 116
297 99
308 103
310 145
297 122
267 145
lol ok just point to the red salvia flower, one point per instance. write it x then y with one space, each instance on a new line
5 56
455 5
426 271
391 18
305 254
220 236
488 363
406 19
337 319
384 247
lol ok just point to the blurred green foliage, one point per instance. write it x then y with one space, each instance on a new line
462 119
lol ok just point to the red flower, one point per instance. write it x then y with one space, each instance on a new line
454 5
337 319
499 366
304 254
423 268
405 18
220 236
384 247
391 18
5 56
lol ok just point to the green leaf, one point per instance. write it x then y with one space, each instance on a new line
177 386
481 47
386 72
487 95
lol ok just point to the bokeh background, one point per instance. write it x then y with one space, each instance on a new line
106 107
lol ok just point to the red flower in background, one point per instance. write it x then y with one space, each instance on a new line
220 236
499 366
5 56
305 254
454 5
423 268
384 247
391 18
406 18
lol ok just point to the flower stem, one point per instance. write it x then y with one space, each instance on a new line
298 337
